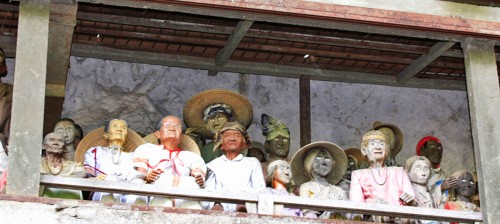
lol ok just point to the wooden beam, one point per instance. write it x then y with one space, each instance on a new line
61 27
484 103
305 109
28 98
54 90
232 43
424 60
106 53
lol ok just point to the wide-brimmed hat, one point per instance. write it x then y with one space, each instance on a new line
394 144
357 154
193 111
187 143
338 155
96 138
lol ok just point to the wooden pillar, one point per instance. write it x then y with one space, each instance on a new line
28 101
305 109
484 102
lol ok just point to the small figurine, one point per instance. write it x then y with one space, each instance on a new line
108 155
169 164
379 183
67 128
317 167
431 148
208 111
55 164
279 176
460 197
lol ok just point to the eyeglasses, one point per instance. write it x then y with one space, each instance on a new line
168 125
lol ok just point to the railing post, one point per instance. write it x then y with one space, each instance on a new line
266 204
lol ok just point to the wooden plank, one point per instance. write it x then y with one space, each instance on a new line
305 109
484 103
232 43
333 20
423 61
278 209
250 199
267 34
82 50
266 204
28 98
377 209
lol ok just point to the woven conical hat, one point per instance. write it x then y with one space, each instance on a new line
96 138
299 172
187 143
193 111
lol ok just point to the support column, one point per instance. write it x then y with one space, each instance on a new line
484 102
28 101
305 109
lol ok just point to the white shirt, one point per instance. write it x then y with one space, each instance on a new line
159 158
242 174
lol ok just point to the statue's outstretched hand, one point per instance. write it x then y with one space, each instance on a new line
449 183
199 176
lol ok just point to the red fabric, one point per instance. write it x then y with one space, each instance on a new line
424 140
3 180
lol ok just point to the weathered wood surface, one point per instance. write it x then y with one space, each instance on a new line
241 198
484 103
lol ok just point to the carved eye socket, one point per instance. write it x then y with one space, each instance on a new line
285 140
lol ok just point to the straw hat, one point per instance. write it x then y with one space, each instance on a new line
96 138
193 111
356 153
187 143
394 144
338 155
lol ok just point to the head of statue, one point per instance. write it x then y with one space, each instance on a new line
3 64
432 150
318 161
418 169
352 165
115 131
54 143
256 150
67 128
216 115
279 171
374 146
466 185
232 137
169 130
390 136
277 134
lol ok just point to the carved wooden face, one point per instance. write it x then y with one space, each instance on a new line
117 131
67 129
54 143
322 163
279 146
233 141
351 166
376 150
433 151
170 130
420 172
465 185
215 123
283 173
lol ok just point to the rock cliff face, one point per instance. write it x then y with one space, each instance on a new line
98 90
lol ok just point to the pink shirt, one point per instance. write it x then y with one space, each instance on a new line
388 186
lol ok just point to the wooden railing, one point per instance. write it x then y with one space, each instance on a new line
262 203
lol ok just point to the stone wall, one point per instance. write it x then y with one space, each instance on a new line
98 90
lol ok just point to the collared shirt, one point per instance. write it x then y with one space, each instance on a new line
388 187
242 174
171 162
